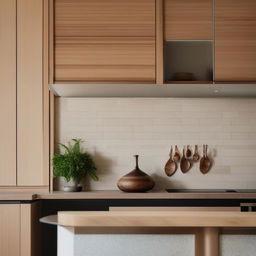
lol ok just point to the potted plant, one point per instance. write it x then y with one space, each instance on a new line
73 165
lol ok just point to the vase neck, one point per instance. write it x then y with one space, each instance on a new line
137 161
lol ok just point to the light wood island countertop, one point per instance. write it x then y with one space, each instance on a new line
156 219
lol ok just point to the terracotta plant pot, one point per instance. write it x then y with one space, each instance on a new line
136 180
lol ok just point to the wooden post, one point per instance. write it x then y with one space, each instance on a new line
207 242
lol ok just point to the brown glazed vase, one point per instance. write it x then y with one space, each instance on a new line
136 180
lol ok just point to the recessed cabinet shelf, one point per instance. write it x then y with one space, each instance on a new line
191 59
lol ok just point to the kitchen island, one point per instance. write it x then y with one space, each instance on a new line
163 232
113 200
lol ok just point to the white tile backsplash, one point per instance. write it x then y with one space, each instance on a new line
114 129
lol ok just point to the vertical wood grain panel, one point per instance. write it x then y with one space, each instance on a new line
46 93
235 40
51 35
188 19
30 94
105 18
9 229
8 92
30 229
159 42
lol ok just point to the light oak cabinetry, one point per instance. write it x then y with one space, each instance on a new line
19 229
188 20
104 18
188 35
235 40
9 229
30 141
150 41
110 41
24 130
8 93
105 59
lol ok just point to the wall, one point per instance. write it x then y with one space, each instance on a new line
114 129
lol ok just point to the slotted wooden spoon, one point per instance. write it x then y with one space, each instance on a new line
185 164
205 162
171 166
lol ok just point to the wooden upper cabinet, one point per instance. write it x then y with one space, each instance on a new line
105 59
105 41
235 41
188 19
8 94
104 18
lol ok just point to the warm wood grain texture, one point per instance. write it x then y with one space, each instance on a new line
177 209
52 136
9 229
46 93
186 19
157 219
116 194
105 59
105 18
30 229
30 94
21 189
235 40
51 40
8 93
159 41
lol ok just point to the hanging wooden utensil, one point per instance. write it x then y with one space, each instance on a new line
205 162
196 155
185 164
171 166
176 156
188 152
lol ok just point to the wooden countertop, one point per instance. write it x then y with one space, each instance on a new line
15 196
116 194
156 219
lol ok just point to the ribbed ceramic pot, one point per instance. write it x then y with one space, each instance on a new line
72 186
136 180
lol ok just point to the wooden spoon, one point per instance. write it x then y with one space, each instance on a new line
205 162
176 156
171 166
185 164
188 152
196 155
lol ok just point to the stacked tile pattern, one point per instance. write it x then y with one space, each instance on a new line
115 129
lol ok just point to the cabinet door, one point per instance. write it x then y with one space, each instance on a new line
235 40
104 18
30 123
188 19
30 230
8 93
120 59
9 229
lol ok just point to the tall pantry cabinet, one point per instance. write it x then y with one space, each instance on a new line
24 98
